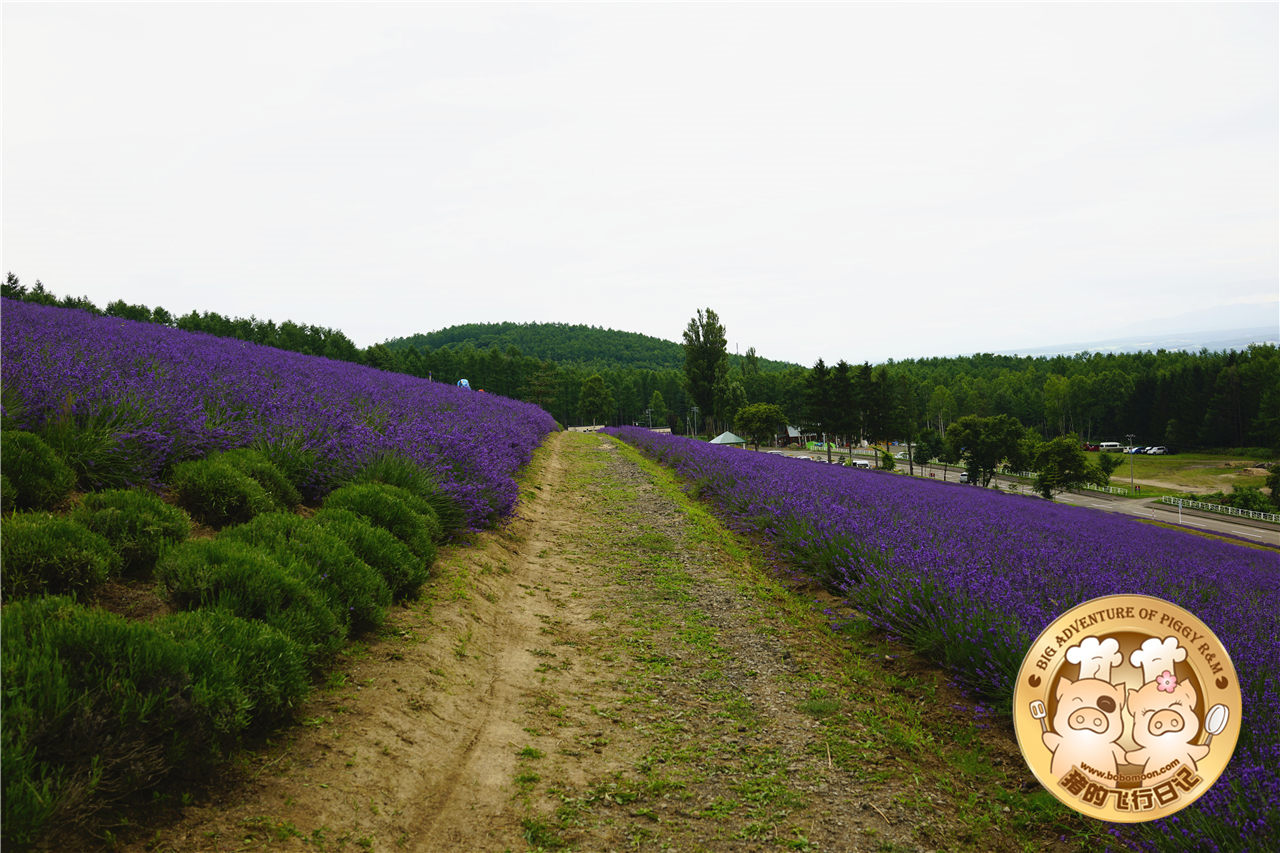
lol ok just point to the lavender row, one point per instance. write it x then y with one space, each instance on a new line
137 398
971 577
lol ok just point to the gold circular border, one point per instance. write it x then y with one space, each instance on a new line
1040 672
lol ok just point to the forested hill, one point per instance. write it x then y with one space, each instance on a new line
564 343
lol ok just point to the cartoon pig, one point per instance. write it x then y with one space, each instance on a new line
1164 724
1086 726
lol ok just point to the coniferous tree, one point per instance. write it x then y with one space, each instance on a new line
706 359
595 402
657 413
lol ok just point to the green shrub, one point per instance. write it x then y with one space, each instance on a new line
1250 498
355 593
217 494
38 478
311 474
110 445
96 708
265 473
137 523
232 576
432 521
408 475
403 571
8 495
44 553
388 507
268 670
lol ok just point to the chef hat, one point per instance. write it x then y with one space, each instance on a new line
1157 656
1096 657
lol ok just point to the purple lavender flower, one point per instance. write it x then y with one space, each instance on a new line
970 577
135 398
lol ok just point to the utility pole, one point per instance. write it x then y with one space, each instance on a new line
1129 438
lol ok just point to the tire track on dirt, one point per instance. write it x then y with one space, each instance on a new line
470 805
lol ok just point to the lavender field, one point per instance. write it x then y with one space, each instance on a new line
124 401
122 404
970 577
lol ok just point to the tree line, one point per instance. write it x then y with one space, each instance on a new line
1186 400
1178 399
312 340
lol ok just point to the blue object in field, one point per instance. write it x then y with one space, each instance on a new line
462 383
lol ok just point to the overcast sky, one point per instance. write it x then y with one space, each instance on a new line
857 181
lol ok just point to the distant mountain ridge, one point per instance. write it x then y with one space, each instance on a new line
1216 340
565 343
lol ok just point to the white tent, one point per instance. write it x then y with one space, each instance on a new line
727 437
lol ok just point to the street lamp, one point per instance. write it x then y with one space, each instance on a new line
1129 438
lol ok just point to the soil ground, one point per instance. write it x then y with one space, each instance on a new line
614 671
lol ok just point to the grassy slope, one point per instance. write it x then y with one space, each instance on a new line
1186 472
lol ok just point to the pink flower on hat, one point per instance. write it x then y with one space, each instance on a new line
1166 681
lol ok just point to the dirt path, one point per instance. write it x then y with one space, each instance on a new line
612 671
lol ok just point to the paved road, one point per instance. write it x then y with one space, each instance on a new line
1254 531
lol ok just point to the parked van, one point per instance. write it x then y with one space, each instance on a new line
1110 447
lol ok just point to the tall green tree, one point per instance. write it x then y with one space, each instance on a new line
13 288
706 359
759 422
1060 464
845 420
1107 465
928 447
541 386
942 408
122 309
881 414
381 357
906 412
817 397
1057 402
595 401
657 414
983 443
730 397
